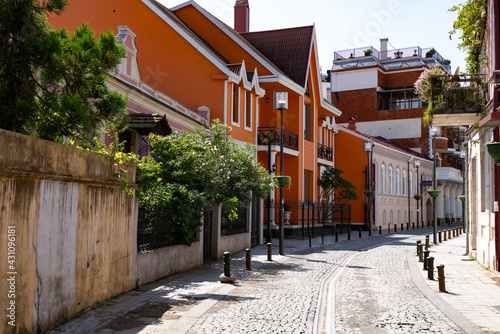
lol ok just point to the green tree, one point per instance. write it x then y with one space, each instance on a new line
334 189
471 21
190 172
332 183
52 83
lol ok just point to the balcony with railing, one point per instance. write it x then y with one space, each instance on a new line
414 51
457 100
325 152
271 136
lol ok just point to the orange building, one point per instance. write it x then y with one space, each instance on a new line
394 176
194 58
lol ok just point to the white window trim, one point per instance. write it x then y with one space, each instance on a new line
410 181
238 106
251 111
383 188
405 183
398 182
390 173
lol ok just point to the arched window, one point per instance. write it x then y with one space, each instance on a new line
410 176
399 217
417 190
405 186
391 181
391 218
384 217
382 179
398 182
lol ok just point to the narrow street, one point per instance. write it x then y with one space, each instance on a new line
359 286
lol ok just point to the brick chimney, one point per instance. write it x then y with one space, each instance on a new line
241 16
352 124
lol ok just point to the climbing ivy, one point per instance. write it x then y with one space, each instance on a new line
471 21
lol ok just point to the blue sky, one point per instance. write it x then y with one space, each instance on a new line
344 24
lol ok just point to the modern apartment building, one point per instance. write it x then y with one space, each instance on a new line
375 88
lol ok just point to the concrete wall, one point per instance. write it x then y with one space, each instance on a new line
70 228
153 265
232 243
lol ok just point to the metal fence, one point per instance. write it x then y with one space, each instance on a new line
155 229
307 218
237 226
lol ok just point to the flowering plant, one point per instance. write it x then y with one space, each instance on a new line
423 86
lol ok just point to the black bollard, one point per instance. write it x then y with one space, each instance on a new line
439 235
323 236
388 228
349 234
336 235
413 226
269 251
360 232
309 239
249 258
227 264
449 234
442 285
380 230
420 248
418 244
402 227
395 227
427 242
426 256
430 268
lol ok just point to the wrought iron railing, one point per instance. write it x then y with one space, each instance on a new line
325 152
271 135
307 218
237 226
155 229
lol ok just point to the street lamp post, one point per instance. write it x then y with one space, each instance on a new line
434 184
271 169
368 147
416 164
280 102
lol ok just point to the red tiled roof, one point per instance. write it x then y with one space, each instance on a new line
289 49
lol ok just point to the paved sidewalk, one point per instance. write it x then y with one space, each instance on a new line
472 297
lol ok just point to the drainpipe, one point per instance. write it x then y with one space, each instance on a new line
496 135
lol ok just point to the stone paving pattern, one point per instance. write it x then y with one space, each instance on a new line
373 293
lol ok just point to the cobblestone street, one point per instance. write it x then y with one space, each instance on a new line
357 286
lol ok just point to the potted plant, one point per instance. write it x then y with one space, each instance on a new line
287 213
415 53
351 55
398 54
446 62
282 180
434 192
494 151
430 53
418 197
368 52
369 193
